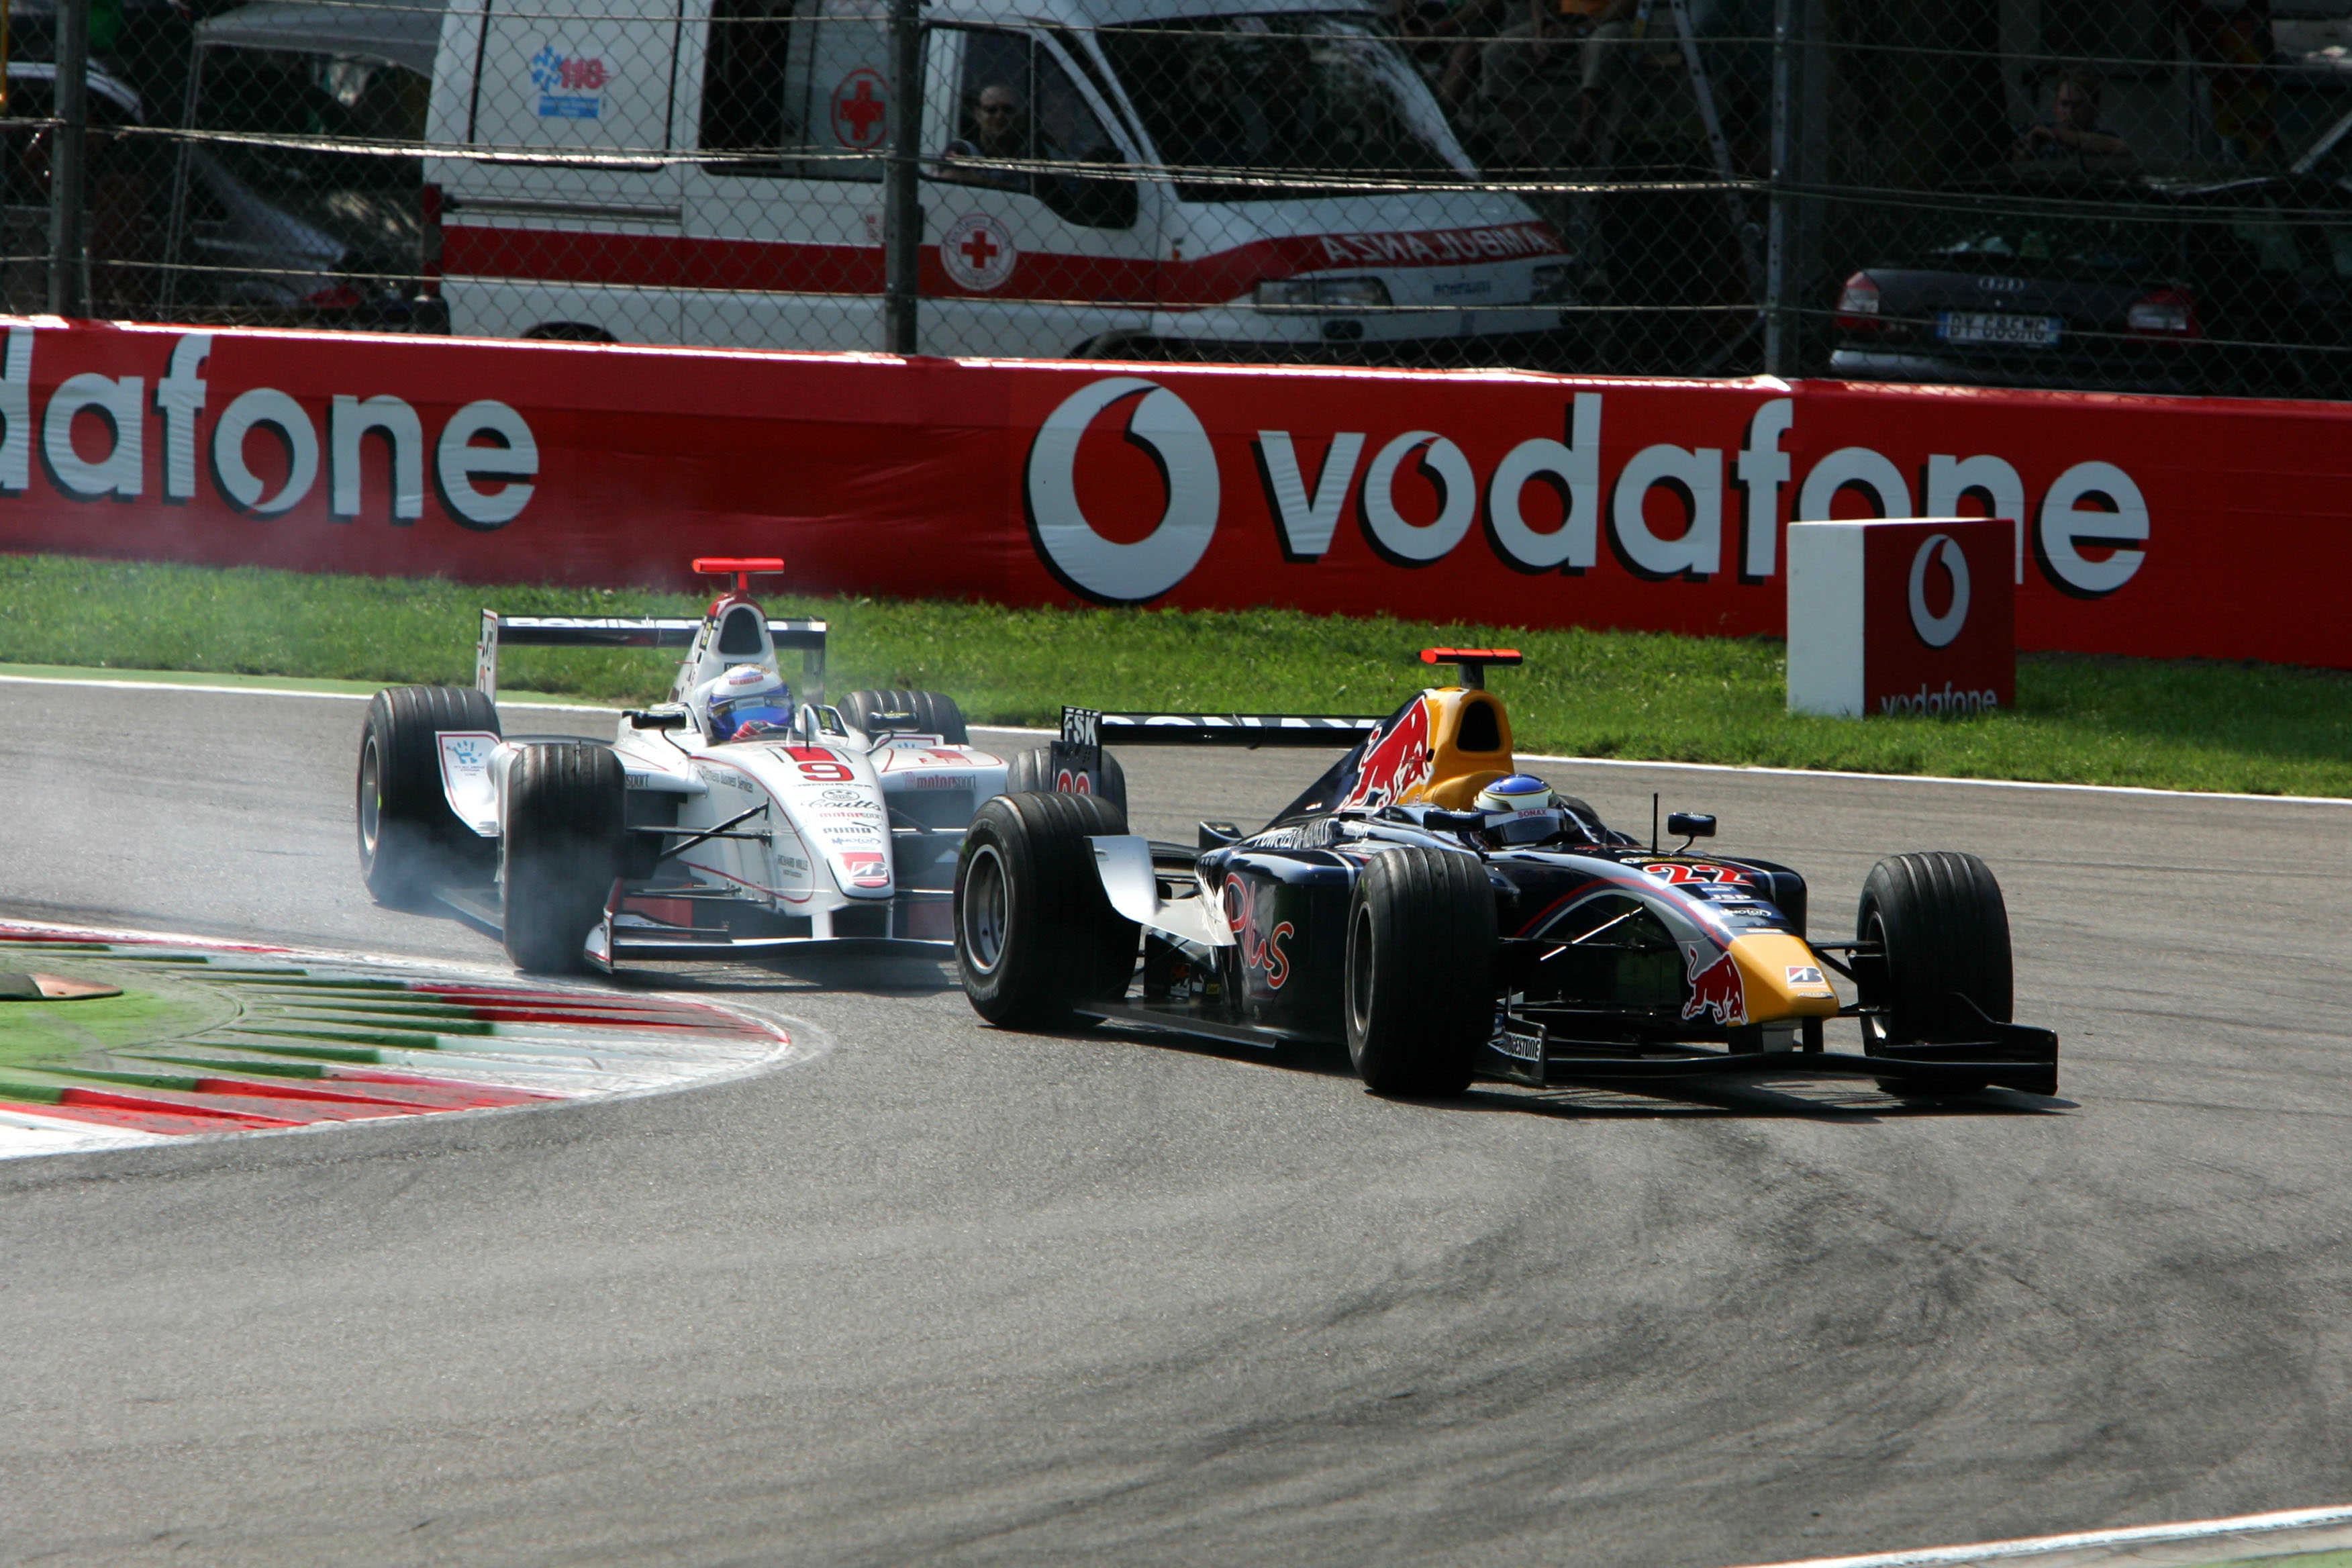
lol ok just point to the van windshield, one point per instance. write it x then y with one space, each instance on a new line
1298 95
304 196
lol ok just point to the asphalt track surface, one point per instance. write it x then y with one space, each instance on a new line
946 1294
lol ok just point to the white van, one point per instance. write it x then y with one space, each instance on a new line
727 189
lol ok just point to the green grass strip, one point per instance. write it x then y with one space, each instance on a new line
2176 724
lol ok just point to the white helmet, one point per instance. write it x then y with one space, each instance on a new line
747 700
1520 791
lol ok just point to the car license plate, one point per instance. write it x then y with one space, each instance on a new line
1997 327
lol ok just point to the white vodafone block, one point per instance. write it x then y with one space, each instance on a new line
1907 616
1825 618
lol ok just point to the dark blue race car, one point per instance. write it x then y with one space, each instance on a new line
1448 917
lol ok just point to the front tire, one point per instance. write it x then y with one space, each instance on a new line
561 852
1034 933
911 712
1942 928
409 839
1419 982
1033 769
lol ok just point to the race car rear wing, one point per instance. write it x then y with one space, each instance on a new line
1077 755
612 631
1089 727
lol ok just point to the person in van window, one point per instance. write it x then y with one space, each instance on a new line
998 129
743 107
1509 66
2073 130
1222 125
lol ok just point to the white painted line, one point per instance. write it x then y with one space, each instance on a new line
268 691
1939 779
23 1133
1524 757
2039 1545
1874 778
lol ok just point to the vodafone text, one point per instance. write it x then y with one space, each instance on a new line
461 467
2092 505
1946 703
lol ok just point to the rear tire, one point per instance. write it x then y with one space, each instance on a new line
911 712
1034 931
1420 992
1943 930
568 333
410 842
561 852
1033 769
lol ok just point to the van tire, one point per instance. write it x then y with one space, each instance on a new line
568 333
1117 345
410 842
913 713
1033 769
566 806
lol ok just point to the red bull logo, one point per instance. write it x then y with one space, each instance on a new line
1716 989
1400 757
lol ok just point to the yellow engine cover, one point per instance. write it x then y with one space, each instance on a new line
1447 747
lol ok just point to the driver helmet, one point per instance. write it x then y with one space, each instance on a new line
747 701
1520 791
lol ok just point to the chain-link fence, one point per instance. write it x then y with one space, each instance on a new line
2144 195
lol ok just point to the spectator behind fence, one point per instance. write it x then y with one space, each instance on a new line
1220 124
998 129
1509 65
2072 129
1460 28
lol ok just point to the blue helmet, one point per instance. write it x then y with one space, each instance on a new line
1520 791
748 699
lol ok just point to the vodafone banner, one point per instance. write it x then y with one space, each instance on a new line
2154 526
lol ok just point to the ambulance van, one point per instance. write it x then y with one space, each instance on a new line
709 172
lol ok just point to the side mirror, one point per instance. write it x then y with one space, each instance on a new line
644 721
1216 835
1691 824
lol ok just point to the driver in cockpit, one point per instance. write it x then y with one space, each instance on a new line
1522 809
747 702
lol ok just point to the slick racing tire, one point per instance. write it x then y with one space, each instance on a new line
1034 931
410 841
1942 932
1033 769
563 850
907 713
1419 982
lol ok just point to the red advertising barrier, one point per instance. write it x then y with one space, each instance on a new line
2153 526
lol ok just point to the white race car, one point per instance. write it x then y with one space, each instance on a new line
728 820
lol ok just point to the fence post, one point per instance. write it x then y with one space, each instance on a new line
69 209
1800 153
902 208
